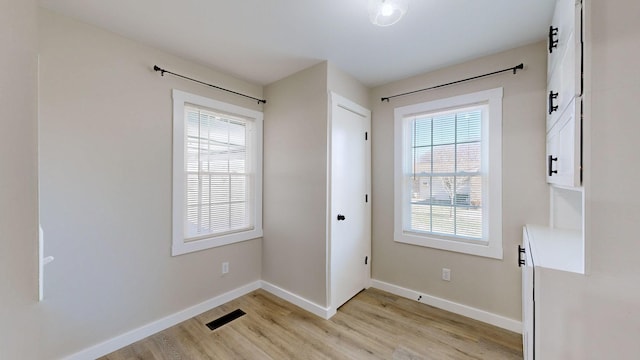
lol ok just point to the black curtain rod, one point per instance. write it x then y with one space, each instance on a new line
514 69
162 71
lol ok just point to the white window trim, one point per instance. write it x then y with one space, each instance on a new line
492 248
179 245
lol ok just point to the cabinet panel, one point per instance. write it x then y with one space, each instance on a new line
563 148
564 67
563 25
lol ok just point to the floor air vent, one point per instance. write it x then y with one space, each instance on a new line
225 319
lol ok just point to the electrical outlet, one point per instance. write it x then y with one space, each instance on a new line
446 274
225 267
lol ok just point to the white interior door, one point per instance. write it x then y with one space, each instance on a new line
350 200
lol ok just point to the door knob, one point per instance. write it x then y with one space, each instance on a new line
341 217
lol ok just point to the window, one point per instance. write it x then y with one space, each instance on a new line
448 179
217 173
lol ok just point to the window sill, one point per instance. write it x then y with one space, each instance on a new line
489 250
181 247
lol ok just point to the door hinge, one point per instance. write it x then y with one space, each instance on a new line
366 135
366 260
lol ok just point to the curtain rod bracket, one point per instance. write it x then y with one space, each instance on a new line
162 71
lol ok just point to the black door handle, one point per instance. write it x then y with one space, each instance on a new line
550 166
341 217
521 261
552 96
553 38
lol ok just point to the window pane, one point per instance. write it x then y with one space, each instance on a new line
239 216
420 217
219 190
442 190
443 219
237 159
421 189
192 221
218 160
219 129
469 222
421 161
219 214
462 195
444 159
193 195
237 133
475 185
421 132
469 126
238 188
444 129
468 157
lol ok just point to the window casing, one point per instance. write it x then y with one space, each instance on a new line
448 179
217 173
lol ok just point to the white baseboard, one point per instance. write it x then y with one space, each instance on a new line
323 312
144 331
460 309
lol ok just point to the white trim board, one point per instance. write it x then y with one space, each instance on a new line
151 328
323 312
457 308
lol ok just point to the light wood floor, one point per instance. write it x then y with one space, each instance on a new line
373 325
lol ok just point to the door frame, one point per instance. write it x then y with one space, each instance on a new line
336 100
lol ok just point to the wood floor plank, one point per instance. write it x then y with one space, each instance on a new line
372 325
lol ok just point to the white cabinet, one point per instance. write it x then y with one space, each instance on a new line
552 261
564 86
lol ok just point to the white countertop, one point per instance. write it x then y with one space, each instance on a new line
556 248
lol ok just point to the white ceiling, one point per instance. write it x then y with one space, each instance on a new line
265 40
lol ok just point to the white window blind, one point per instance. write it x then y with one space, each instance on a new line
218 174
445 176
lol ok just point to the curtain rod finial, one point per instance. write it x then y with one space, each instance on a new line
518 67
157 68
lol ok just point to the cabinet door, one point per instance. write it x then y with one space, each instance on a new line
564 158
565 22
564 72
528 306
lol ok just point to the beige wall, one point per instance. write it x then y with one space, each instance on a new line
487 284
347 86
295 178
295 184
105 165
18 180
